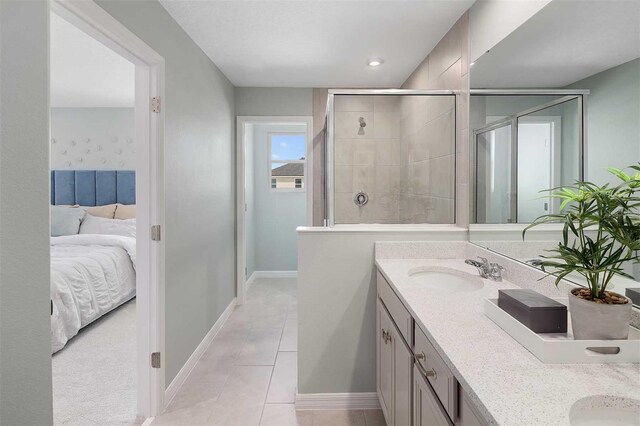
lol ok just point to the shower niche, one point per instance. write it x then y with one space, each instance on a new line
390 157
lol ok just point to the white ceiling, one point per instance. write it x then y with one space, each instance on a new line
86 73
563 43
316 43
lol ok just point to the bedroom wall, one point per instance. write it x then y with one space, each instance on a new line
92 139
199 155
25 339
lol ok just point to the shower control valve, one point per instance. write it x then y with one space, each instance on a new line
361 198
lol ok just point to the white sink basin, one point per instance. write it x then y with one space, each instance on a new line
605 410
444 279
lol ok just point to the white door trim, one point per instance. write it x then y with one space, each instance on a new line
241 123
149 133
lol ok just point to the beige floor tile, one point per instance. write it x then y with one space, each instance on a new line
194 392
285 415
282 388
374 418
338 418
191 416
248 383
261 347
235 412
289 340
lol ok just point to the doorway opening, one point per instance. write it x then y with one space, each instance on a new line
107 277
274 195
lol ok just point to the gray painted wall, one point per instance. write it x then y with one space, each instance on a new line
337 302
199 180
93 139
278 214
25 327
613 119
273 101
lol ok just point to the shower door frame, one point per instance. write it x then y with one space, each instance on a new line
567 95
329 219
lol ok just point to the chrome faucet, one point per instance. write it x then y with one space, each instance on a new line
492 271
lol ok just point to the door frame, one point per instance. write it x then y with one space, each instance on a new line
149 133
241 124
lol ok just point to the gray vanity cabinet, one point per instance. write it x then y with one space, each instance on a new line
394 375
384 363
426 408
413 392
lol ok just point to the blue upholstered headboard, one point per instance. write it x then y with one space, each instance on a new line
93 187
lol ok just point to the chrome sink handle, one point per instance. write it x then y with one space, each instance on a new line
495 273
483 267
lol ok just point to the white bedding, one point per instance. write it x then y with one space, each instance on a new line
90 276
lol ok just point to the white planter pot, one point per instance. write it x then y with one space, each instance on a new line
599 321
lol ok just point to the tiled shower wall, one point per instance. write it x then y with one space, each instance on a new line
447 68
427 159
367 158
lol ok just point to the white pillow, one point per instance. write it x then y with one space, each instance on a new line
100 225
65 220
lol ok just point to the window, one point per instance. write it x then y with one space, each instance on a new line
287 162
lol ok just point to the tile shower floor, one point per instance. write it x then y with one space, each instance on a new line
248 375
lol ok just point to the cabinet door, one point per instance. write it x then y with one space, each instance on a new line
385 365
403 360
426 408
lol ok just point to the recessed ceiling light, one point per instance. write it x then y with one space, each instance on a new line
375 62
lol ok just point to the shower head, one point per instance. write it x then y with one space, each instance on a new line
362 125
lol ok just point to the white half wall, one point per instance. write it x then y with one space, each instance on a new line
337 299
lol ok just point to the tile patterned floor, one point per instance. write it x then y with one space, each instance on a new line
248 375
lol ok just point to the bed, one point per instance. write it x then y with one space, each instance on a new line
93 269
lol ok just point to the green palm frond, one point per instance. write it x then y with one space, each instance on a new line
611 213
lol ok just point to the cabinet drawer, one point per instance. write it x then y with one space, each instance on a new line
438 374
398 312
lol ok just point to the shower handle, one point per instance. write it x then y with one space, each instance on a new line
361 198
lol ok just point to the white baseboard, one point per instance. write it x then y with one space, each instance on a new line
267 274
338 401
275 274
182 375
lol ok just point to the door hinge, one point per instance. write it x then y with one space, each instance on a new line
156 233
155 360
155 104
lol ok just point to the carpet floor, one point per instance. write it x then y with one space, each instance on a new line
94 375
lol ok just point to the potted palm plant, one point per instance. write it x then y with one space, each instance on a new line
601 232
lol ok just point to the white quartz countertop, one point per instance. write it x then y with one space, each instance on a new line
508 384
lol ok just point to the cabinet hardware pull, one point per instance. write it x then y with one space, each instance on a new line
426 373
386 336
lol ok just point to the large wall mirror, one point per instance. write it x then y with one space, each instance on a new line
556 101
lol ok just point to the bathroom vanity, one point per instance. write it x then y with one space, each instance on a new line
413 382
441 361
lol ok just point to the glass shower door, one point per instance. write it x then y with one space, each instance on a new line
495 174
